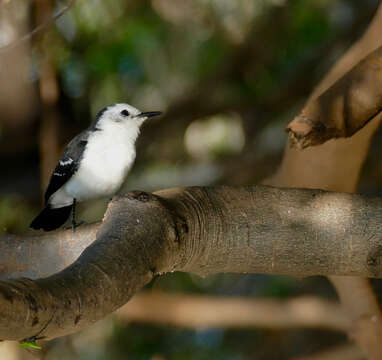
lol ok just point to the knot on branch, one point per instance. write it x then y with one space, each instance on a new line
140 196
179 222
143 221
304 132
117 203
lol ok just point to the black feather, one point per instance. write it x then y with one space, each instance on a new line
68 164
51 219
71 158
93 125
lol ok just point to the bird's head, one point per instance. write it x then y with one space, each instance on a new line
122 115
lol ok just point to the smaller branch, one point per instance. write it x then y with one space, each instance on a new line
43 254
37 29
195 311
346 107
318 168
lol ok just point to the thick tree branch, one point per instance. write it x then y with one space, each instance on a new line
199 230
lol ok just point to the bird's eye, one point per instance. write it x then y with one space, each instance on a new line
125 113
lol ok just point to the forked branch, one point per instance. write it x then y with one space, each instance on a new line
201 230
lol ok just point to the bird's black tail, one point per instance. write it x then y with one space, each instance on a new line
51 219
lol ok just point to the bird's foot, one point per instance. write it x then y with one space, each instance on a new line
74 225
77 224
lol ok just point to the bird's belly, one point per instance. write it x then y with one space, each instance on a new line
100 174
84 185
60 199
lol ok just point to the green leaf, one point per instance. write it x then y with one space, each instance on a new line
30 345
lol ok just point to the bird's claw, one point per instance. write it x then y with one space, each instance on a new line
74 225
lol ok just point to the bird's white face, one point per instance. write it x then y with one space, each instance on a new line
123 115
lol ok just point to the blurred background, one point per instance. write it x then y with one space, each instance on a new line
228 75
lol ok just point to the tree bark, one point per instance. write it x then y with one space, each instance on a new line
344 108
201 230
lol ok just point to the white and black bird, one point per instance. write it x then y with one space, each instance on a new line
93 165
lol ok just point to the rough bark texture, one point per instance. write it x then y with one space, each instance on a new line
344 108
200 230
143 235
104 277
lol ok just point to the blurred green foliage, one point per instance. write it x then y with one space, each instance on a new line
13 214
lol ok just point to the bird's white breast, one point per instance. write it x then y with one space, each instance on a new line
107 158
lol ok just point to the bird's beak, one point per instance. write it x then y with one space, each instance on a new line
148 114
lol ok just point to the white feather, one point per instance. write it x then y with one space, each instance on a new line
66 162
108 156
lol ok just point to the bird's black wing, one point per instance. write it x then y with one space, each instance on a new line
68 164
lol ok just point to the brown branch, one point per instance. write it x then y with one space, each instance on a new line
195 311
343 109
42 255
39 28
335 165
199 230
